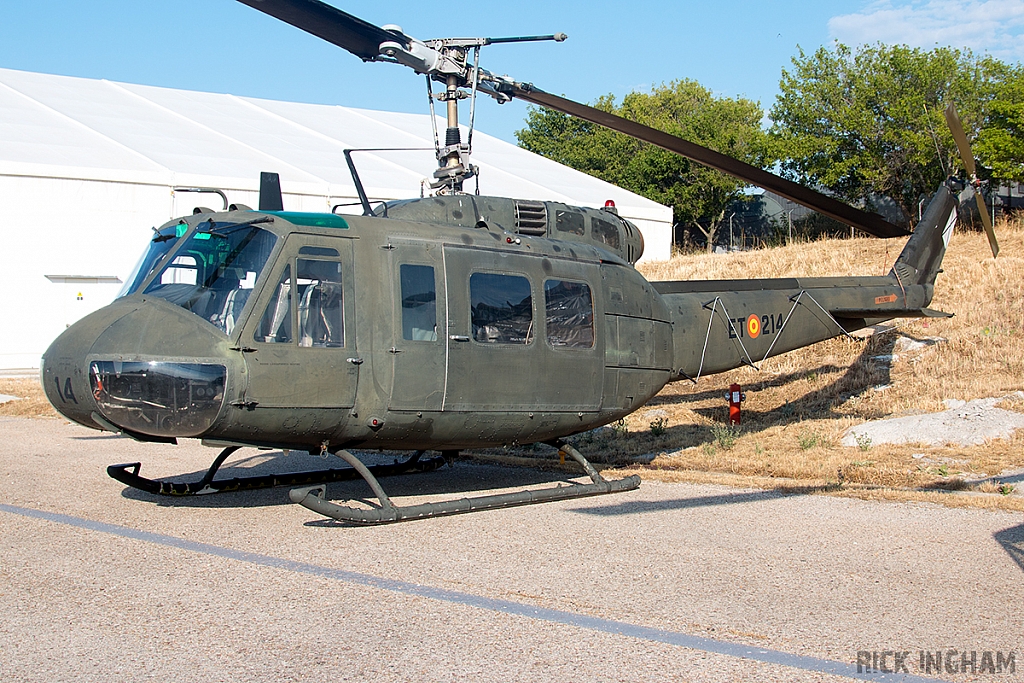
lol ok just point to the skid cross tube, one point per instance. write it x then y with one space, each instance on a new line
314 497
207 485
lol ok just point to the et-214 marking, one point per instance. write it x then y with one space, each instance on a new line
755 325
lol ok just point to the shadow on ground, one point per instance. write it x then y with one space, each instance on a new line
865 373
1012 540
643 506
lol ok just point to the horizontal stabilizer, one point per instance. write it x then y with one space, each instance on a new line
898 313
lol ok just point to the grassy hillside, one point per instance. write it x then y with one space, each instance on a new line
799 404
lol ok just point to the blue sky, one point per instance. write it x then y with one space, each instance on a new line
733 47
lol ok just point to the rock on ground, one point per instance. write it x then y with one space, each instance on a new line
968 423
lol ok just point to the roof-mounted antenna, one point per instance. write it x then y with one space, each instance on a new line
935 139
270 192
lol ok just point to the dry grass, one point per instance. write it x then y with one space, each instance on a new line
800 404
32 401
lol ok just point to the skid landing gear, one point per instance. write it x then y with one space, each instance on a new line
314 497
208 485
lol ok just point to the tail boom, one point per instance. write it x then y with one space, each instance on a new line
719 325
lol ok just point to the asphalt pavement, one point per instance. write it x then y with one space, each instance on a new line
669 582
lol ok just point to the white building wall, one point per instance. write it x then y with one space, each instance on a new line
65 227
87 167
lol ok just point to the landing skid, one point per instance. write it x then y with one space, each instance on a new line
208 485
314 497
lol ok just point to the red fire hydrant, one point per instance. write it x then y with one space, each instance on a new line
735 397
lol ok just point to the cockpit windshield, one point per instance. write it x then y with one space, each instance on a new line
213 273
164 241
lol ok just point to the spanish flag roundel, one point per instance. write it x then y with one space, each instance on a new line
753 326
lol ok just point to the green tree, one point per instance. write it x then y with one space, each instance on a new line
697 194
869 122
1000 144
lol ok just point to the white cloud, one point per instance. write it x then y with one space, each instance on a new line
992 26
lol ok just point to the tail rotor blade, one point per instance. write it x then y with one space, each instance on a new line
987 222
964 147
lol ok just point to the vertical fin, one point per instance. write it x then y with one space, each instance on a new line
921 258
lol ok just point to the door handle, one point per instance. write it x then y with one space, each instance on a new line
355 361
459 337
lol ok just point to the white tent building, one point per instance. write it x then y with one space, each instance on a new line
88 166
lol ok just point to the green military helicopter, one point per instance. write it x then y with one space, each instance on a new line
443 323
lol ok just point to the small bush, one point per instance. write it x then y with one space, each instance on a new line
725 435
808 440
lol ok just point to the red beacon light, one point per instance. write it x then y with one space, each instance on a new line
609 206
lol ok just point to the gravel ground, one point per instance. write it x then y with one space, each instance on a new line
278 595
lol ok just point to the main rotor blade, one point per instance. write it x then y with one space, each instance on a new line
359 37
964 147
871 223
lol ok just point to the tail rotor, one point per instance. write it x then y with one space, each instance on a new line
964 147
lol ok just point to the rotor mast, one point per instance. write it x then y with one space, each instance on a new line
452 172
446 61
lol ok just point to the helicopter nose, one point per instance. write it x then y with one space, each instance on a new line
64 370
143 367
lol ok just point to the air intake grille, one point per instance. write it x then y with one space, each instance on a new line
531 218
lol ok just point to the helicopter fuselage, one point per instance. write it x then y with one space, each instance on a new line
319 331
334 332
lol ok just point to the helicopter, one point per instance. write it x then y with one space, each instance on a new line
441 323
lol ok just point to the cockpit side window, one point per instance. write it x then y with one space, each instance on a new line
276 324
569 311
318 291
182 271
502 308
316 297
159 246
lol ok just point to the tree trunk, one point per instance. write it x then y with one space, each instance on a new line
712 230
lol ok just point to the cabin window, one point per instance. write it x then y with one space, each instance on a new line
605 231
569 221
419 303
501 308
569 310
